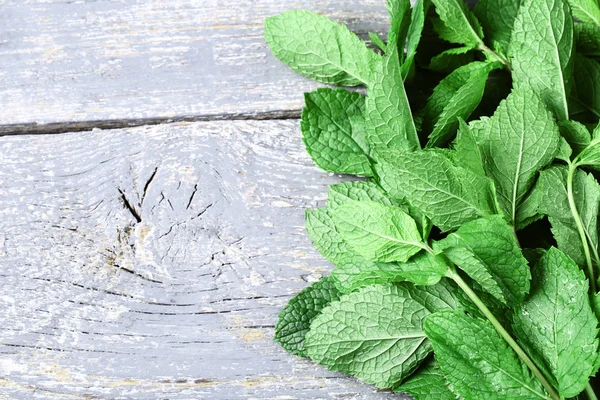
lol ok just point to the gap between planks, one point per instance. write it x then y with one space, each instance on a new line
83 126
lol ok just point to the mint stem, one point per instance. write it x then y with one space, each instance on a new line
579 224
495 55
590 392
452 274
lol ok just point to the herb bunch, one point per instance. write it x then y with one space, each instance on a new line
466 258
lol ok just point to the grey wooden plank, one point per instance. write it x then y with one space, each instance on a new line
105 60
152 262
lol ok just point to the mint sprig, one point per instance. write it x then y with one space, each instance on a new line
467 257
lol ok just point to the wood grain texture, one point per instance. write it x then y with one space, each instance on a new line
104 63
152 262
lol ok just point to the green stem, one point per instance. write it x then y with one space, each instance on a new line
579 224
452 274
590 392
495 55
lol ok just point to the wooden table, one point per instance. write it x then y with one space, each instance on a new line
152 193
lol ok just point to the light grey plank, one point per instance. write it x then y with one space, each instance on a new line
152 262
106 60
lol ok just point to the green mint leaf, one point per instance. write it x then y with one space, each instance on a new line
543 36
333 130
488 251
456 96
389 121
319 48
576 134
564 151
448 195
468 152
352 270
596 305
555 205
415 30
476 360
558 324
529 209
377 41
586 11
377 232
590 155
423 269
441 296
423 222
588 39
427 383
374 334
586 87
321 230
451 59
497 18
517 141
369 191
459 25
357 190
294 320
400 15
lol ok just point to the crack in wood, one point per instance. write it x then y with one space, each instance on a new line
83 126
147 185
129 206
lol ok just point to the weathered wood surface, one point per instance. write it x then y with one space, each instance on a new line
151 262
106 63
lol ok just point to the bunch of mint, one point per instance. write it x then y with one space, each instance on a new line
466 258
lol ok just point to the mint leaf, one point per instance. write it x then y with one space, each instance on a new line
576 134
415 30
476 361
377 41
377 232
294 320
590 155
596 305
399 11
365 191
487 250
352 270
459 24
455 97
357 190
448 195
543 36
374 334
423 269
321 229
333 130
428 383
517 141
586 11
468 152
555 204
319 48
388 114
564 151
497 18
558 324
586 88
451 59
